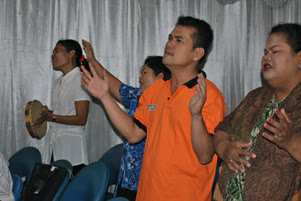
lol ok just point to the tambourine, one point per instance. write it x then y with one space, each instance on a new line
32 111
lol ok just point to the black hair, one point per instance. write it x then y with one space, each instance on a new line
203 37
70 45
155 63
292 32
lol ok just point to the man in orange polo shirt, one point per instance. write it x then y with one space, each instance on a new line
177 115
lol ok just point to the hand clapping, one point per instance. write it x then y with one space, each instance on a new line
198 99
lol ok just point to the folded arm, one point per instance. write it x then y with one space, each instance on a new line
80 118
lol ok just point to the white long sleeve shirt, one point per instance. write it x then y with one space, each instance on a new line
6 182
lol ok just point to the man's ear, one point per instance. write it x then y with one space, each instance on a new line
199 53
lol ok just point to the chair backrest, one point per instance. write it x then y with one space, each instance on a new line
89 184
63 163
23 161
112 159
219 162
217 195
17 186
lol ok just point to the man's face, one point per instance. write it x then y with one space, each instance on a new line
179 49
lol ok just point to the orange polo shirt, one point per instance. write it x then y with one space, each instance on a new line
170 169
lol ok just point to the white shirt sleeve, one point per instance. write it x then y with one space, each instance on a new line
6 183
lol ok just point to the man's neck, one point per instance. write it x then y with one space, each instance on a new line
180 77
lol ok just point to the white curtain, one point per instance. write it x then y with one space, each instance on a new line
123 33
272 3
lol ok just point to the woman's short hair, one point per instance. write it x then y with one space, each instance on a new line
155 63
292 32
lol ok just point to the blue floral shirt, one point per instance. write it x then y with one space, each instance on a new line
131 160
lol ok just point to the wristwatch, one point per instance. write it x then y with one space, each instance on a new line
54 118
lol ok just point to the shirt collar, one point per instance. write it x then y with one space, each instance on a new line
69 76
191 83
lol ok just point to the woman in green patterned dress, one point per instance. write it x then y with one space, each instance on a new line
260 141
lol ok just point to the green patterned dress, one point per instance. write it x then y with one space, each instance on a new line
235 186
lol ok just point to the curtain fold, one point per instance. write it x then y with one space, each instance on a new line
123 34
271 3
277 3
224 2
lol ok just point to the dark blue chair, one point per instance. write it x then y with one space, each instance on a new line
17 186
219 162
23 162
89 184
112 159
67 165
63 163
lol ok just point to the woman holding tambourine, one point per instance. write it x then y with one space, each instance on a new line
70 103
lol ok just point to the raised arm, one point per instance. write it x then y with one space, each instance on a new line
114 82
99 88
201 140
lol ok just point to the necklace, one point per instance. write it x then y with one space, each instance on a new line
276 103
